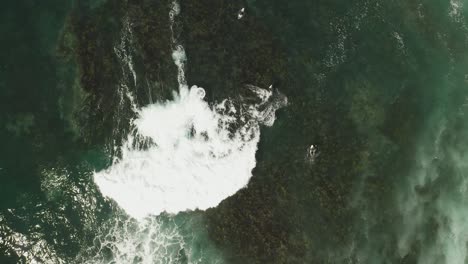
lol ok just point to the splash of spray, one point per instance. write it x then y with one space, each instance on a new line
194 161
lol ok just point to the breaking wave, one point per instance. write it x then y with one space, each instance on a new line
185 155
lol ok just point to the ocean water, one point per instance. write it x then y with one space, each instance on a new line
255 131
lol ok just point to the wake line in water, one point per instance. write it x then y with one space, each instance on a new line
198 154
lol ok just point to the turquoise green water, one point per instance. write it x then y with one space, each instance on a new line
379 88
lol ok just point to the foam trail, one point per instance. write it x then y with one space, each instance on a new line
178 52
123 52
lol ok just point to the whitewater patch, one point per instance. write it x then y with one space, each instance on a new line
185 154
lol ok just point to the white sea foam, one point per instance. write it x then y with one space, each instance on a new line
199 154
148 241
